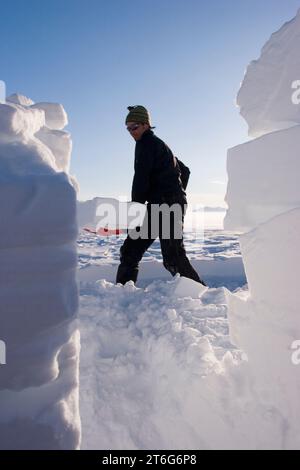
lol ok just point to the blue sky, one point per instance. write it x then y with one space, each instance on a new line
182 59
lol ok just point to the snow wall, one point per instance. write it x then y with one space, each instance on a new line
263 197
38 288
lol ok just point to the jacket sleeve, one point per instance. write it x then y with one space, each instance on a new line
141 180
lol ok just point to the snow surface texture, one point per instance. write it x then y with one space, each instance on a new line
265 97
263 197
38 293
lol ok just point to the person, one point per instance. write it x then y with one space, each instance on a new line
157 180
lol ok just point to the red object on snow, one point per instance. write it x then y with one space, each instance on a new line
107 231
104 231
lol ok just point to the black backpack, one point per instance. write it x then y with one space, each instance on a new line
184 173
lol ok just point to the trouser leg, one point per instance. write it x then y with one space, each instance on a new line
174 255
176 261
131 253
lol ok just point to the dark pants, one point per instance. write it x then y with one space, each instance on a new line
172 248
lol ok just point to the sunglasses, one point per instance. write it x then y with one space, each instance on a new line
133 128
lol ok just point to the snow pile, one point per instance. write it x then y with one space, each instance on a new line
263 197
38 289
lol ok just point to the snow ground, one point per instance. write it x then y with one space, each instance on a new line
146 350
216 257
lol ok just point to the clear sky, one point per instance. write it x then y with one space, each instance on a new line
182 59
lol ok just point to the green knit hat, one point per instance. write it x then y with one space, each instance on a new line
138 113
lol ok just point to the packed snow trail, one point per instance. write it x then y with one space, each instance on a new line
148 362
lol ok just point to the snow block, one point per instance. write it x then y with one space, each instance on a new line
60 144
55 115
188 288
17 122
267 100
19 99
272 265
263 179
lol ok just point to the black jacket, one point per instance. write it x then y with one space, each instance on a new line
156 172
